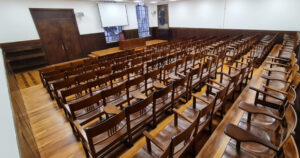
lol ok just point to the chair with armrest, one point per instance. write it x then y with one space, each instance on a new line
274 148
99 139
181 136
138 115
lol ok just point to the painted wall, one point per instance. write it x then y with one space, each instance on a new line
17 23
8 143
236 14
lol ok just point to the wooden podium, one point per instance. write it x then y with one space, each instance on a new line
132 43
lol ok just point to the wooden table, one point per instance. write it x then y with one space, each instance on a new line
217 142
118 50
132 43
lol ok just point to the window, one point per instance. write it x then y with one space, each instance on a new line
112 33
143 20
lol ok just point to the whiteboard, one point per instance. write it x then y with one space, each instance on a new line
113 14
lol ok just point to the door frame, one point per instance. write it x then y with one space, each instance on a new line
57 10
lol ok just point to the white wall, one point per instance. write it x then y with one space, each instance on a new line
17 23
8 143
236 14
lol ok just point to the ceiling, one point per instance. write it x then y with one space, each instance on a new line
138 1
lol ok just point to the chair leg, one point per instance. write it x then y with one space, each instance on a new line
86 152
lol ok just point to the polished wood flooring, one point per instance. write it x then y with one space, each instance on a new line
52 131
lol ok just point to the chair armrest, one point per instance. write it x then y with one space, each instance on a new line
218 83
154 141
227 75
276 90
183 116
81 131
181 75
241 135
278 64
263 92
258 110
234 68
276 58
200 98
272 78
212 86
274 70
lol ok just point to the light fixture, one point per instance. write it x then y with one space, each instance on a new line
153 2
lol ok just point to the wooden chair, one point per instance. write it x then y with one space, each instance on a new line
181 136
245 134
100 139
118 78
74 94
135 71
48 80
219 92
167 71
84 111
61 85
150 79
162 101
99 85
137 116
181 90
152 65
135 88
115 96
104 72
120 67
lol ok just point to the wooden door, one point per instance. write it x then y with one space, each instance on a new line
53 44
70 38
59 33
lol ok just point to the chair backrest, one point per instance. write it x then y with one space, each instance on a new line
113 91
117 77
138 107
136 61
84 104
151 65
161 93
136 71
77 91
57 76
104 72
86 77
120 67
186 137
105 130
99 84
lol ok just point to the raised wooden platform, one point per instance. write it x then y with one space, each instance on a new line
117 49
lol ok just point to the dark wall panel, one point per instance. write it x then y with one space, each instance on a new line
185 33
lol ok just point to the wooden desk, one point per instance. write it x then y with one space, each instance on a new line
118 50
217 143
132 43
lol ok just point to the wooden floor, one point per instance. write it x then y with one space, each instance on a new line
28 79
52 131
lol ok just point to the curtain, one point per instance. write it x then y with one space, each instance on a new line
143 20
112 33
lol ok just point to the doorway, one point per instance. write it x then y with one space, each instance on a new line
59 33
